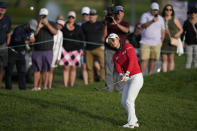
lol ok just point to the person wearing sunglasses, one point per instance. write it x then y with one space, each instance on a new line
72 50
93 31
173 29
152 35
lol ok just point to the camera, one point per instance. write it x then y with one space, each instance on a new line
110 13
156 15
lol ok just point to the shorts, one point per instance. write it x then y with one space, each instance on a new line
41 60
150 52
71 58
3 55
83 60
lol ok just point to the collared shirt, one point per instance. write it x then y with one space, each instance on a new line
5 28
125 60
152 34
19 36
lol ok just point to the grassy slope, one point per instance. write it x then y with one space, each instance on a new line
166 102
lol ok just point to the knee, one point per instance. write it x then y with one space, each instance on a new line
130 102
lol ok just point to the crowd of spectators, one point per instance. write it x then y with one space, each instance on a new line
73 44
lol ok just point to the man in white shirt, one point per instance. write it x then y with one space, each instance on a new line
153 33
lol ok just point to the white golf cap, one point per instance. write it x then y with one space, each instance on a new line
154 6
112 35
61 22
33 24
85 10
71 13
43 11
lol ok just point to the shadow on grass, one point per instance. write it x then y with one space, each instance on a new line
45 104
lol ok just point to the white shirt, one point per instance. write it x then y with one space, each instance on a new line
152 34
57 47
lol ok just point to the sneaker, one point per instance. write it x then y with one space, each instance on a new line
131 126
128 126
39 88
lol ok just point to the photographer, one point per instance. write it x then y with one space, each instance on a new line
22 35
153 32
121 28
42 54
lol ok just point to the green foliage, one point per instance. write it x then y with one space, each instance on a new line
21 15
167 102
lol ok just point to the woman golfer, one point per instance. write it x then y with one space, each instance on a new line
127 66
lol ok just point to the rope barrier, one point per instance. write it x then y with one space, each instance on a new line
77 41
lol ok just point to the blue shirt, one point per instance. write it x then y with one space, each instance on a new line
5 28
19 36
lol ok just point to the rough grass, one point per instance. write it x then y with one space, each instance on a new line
167 101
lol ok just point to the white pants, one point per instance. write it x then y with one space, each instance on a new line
129 94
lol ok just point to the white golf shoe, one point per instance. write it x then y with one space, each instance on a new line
130 126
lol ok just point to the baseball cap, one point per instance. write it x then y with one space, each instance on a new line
85 10
112 35
71 13
119 7
93 12
3 5
43 11
61 22
154 6
33 24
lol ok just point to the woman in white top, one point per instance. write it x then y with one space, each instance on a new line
57 49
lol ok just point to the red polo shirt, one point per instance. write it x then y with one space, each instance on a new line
125 60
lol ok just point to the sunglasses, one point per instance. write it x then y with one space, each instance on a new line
168 9
85 14
71 17
155 10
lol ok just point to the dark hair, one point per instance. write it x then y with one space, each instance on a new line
192 10
164 9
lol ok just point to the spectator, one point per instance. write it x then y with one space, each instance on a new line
135 37
57 49
190 33
127 66
71 50
121 28
85 11
5 36
153 32
23 34
42 54
93 30
173 29
85 17
60 17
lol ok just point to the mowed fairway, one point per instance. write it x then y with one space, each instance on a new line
167 102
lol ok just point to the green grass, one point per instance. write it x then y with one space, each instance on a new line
167 102
21 15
